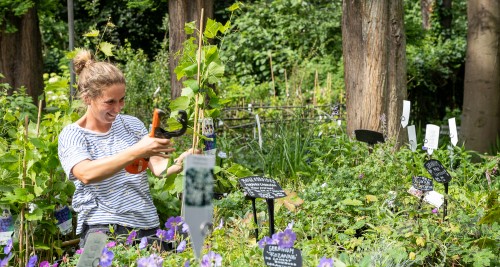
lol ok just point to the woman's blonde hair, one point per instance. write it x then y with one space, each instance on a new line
94 76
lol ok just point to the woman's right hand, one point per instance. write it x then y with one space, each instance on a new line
149 146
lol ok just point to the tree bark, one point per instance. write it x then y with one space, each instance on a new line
481 109
21 60
373 43
180 13
426 8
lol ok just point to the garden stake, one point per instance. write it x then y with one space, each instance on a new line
272 73
39 116
198 78
270 210
255 219
445 211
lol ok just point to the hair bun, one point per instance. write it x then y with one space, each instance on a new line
82 60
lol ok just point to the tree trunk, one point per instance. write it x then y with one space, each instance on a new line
21 60
426 7
373 43
481 110
180 13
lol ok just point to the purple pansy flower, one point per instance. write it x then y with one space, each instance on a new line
79 251
435 210
264 241
152 261
44 264
32 261
286 238
8 246
174 223
106 258
275 239
182 246
164 235
185 228
211 259
186 263
131 237
144 243
5 262
325 262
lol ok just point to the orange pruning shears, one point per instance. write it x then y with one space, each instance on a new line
140 165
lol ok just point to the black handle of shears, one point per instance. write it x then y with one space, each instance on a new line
182 119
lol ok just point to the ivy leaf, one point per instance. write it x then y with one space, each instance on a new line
20 195
190 27
192 84
36 215
180 103
38 190
212 28
188 92
239 171
106 48
92 33
234 7
224 28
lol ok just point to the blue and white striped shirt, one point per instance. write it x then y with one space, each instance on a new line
123 198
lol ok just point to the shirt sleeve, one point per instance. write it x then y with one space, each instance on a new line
72 149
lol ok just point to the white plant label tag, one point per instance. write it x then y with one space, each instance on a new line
453 131
257 120
197 198
432 197
412 137
406 113
431 138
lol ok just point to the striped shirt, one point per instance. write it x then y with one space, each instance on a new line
123 198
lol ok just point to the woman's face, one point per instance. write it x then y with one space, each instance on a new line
105 108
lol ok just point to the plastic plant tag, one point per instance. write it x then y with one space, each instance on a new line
64 219
437 171
197 198
92 251
430 197
406 113
434 198
275 255
412 137
453 131
6 225
208 130
431 138
259 132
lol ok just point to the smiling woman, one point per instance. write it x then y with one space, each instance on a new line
95 150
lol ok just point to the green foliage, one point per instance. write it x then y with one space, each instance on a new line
148 81
300 46
436 60
16 8
13 109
